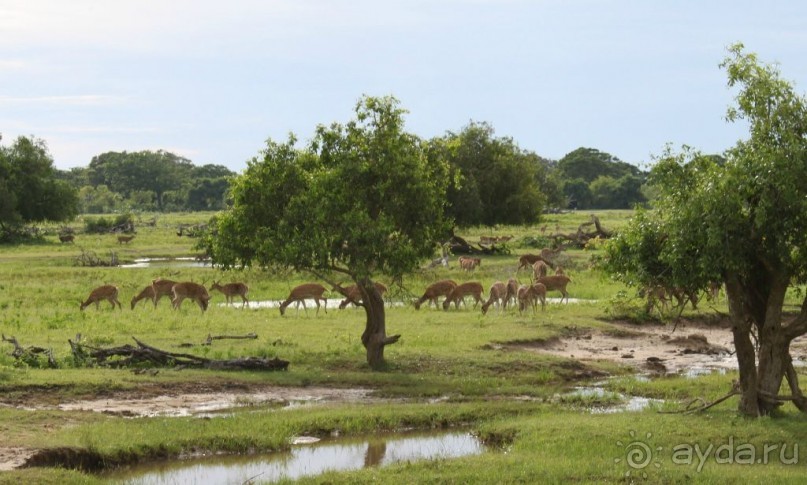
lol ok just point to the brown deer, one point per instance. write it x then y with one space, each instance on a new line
512 292
155 291
469 264
539 269
472 288
352 294
306 291
191 291
231 290
528 260
434 291
67 238
498 293
105 292
528 295
556 283
125 239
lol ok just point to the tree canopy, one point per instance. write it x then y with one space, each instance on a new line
29 190
739 220
360 200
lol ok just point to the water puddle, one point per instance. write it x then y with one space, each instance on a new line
623 403
305 460
189 262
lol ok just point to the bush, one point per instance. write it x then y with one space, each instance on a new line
101 225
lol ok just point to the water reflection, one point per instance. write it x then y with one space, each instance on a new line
305 460
189 262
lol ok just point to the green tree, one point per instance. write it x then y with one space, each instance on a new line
495 182
579 193
159 172
741 222
360 200
590 163
29 190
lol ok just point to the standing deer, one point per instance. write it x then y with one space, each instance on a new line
231 290
352 294
434 291
512 292
556 283
528 295
105 292
306 291
191 291
539 270
67 238
472 288
155 291
469 264
125 239
498 293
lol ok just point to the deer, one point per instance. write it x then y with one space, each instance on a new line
306 291
105 292
529 260
656 298
231 290
352 294
189 290
434 291
125 239
469 264
539 269
556 283
67 238
512 291
529 294
155 291
498 293
472 288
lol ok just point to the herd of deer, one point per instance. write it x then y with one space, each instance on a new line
500 293
70 238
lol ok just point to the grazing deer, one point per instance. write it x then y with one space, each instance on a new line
472 288
105 292
352 294
434 291
155 291
191 291
556 283
498 293
67 238
125 239
528 260
231 290
539 269
512 292
469 264
306 291
528 295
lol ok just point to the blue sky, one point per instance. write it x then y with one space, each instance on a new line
212 80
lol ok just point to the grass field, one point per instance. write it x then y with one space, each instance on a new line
450 368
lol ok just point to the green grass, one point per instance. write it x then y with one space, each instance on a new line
461 357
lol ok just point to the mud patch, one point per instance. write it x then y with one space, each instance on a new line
11 458
691 348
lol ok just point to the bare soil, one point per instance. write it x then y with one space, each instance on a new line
692 347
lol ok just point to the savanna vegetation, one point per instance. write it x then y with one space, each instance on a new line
333 212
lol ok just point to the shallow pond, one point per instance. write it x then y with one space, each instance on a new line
306 460
188 262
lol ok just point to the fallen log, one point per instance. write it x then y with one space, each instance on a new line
144 354
31 354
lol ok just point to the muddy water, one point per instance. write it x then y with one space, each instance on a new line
306 460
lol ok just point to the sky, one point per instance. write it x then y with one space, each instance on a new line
211 80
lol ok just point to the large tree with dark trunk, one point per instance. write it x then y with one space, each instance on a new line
742 222
359 201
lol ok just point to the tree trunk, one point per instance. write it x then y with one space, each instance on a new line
374 337
761 373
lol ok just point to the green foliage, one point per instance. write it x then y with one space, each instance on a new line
29 189
360 198
101 225
493 180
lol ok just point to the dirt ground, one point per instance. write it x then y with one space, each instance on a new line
690 348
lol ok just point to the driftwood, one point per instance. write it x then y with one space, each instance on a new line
144 354
583 235
30 354
459 245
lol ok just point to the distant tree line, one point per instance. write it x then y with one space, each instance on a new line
491 181
148 181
